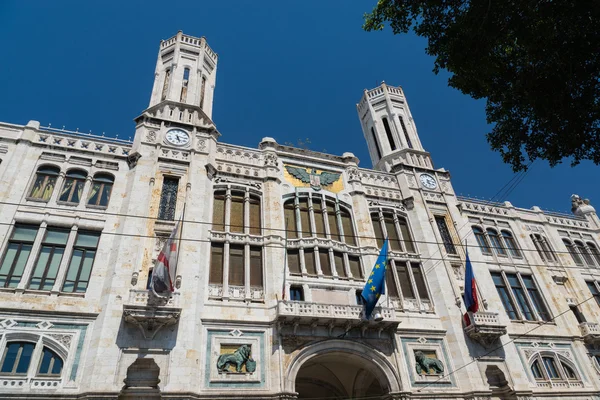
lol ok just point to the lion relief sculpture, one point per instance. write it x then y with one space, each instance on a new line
425 364
238 359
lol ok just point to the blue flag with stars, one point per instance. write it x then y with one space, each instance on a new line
375 285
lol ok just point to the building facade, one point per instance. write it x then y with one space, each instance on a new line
276 244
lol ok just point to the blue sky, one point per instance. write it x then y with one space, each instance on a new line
290 70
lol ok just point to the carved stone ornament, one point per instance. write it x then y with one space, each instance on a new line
201 144
353 174
316 180
237 360
581 206
63 339
484 327
152 315
424 364
151 136
132 159
271 160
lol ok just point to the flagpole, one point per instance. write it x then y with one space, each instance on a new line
285 260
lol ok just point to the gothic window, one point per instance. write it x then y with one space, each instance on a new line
594 251
44 183
234 262
73 186
315 215
405 279
593 286
376 143
51 364
549 366
100 191
165 89
585 253
388 132
511 244
393 226
440 220
49 258
520 290
482 240
82 260
496 243
573 252
168 199
17 358
405 132
184 85
202 89
16 255
543 248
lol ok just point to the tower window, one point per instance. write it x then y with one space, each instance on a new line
445 234
405 133
388 132
166 84
168 199
202 91
184 86
376 143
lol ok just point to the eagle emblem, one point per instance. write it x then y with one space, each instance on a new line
315 180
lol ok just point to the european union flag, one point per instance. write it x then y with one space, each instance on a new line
375 285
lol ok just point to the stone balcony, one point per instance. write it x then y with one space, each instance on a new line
485 327
331 316
590 332
149 312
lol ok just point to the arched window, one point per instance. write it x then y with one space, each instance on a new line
184 85
395 228
594 250
315 215
44 183
376 143
17 358
549 366
73 186
408 142
543 248
583 250
536 370
511 243
388 132
573 252
496 243
50 364
482 240
235 262
101 190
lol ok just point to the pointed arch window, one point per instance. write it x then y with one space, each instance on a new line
101 189
585 253
184 85
17 358
50 364
482 240
408 142
496 243
376 143
573 252
594 251
549 366
511 243
388 133
543 248
43 185
73 186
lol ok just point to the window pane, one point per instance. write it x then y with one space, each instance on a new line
309 261
86 270
550 365
105 194
445 234
319 223
256 274
87 239
355 266
377 229
392 234
392 290
594 292
496 244
325 264
405 285
10 357
594 251
504 295
236 265
24 233
511 244
408 241
168 199
219 212
56 236
585 253
296 293
95 193
255 223
25 359
520 296
9 258
290 220
304 218
419 281
536 371
333 226
536 298
216 263
482 241
573 252
45 364
237 213
65 194
339 264
569 371
57 367
347 226
294 261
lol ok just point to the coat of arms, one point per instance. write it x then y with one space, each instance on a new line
313 178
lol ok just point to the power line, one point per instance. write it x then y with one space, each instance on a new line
290 230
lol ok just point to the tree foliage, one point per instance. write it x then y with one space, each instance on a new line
537 64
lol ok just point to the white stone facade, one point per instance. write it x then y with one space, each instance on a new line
236 288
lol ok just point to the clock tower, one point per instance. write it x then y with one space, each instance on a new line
182 94
389 129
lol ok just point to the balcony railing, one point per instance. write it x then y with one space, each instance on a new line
590 332
150 312
484 327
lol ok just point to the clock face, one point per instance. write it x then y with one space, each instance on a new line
428 181
178 137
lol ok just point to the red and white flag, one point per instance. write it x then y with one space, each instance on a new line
163 275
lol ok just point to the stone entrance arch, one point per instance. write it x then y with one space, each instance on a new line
342 369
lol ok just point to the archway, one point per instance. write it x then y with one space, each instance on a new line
341 369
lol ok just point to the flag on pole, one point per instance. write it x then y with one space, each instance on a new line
163 275
375 285
470 298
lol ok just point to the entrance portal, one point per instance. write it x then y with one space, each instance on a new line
339 375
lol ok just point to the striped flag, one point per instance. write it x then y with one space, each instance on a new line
163 275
